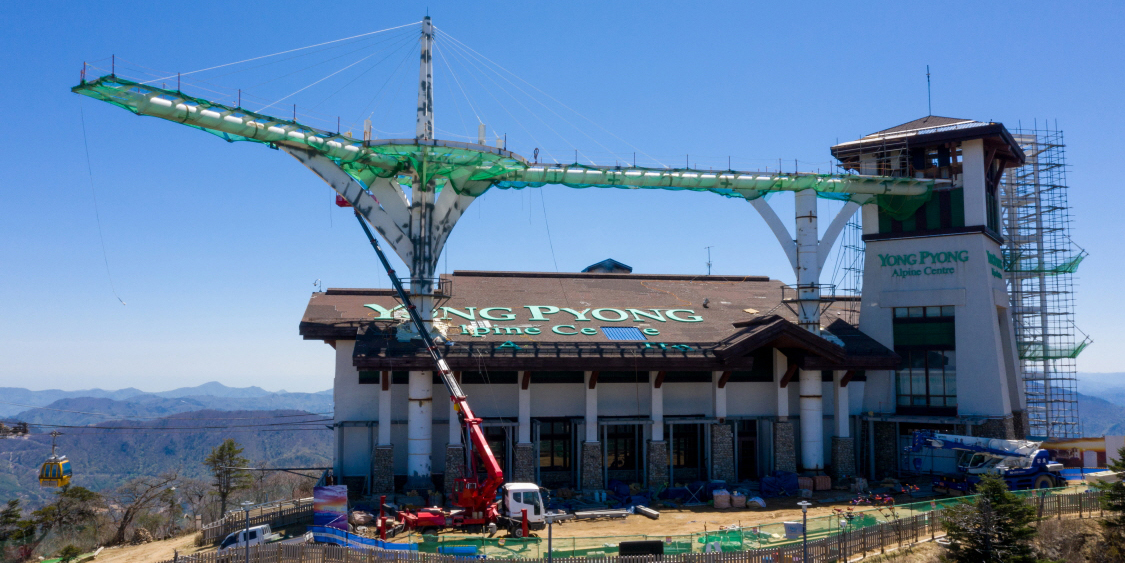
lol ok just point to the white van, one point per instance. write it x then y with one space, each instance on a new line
256 535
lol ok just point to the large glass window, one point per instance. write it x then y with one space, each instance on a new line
926 380
621 447
554 445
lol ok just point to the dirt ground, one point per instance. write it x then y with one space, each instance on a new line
150 552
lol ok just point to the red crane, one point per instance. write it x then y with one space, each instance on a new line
522 504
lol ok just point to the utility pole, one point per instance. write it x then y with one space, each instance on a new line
708 259
929 102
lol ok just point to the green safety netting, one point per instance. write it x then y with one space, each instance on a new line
738 538
473 169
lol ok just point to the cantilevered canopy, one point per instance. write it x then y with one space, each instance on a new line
472 169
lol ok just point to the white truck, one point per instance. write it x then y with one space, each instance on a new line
255 535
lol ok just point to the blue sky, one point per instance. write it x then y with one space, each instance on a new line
215 246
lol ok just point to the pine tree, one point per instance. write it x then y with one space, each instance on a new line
222 461
995 526
1113 500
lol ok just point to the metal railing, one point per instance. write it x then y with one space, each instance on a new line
283 513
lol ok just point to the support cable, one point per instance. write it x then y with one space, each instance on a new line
551 97
545 106
282 52
94 195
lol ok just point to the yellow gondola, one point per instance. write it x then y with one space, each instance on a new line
56 470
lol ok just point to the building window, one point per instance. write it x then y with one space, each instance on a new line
621 447
554 445
926 380
497 438
686 446
944 210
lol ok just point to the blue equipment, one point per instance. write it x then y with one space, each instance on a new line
1021 463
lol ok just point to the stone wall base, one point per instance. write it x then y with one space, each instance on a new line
722 452
843 458
593 477
1021 424
1003 428
383 469
523 465
657 464
454 467
784 447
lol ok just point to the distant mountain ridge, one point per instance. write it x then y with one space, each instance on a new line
213 389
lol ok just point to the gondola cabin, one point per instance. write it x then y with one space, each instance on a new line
55 472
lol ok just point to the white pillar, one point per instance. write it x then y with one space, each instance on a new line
591 409
424 127
780 364
385 408
720 396
657 408
420 421
525 410
808 265
812 421
840 404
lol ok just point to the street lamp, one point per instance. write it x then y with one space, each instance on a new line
804 529
246 534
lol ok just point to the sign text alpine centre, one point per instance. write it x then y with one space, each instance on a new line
928 263
480 320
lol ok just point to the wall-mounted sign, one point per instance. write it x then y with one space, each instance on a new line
923 263
481 319
997 265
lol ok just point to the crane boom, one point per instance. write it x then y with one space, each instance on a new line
471 424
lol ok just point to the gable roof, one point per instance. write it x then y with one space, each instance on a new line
609 265
927 122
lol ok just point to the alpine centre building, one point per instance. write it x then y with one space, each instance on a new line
605 374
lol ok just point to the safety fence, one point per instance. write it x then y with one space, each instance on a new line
851 539
284 514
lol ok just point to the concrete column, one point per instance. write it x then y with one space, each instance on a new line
657 411
808 265
385 409
812 421
591 409
973 174
524 411
840 404
420 420
720 396
780 364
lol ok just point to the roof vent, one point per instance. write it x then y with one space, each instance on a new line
608 266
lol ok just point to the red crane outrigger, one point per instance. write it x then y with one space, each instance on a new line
477 498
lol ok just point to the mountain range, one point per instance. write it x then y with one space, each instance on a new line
14 400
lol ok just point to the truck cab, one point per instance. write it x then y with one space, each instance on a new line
255 535
517 497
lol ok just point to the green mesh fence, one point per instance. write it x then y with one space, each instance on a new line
472 169
727 540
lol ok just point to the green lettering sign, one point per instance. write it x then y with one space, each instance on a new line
537 311
484 314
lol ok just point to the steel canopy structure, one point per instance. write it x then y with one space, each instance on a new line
444 177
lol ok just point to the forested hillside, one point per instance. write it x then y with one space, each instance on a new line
109 453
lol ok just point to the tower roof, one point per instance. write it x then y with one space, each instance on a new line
933 130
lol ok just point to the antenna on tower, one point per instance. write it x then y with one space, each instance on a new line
708 259
929 99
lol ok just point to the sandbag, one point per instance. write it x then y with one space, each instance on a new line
805 483
737 500
822 483
721 498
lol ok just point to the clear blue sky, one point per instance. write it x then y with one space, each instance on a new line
215 246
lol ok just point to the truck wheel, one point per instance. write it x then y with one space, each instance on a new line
1044 482
516 531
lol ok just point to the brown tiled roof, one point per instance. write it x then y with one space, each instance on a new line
923 123
710 343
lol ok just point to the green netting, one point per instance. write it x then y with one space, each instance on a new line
1068 266
473 169
735 539
1036 351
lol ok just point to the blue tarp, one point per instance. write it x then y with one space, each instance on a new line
324 534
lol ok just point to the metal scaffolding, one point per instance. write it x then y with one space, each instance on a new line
1040 261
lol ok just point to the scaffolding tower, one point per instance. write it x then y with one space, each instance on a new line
1040 261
